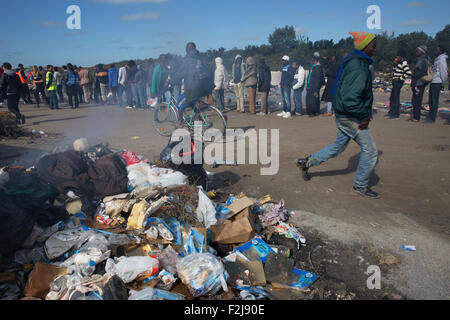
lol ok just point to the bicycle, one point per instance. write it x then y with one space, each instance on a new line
167 114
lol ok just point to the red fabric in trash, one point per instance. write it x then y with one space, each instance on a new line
130 158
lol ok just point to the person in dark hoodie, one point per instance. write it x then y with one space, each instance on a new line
264 85
250 82
331 80
39 83
287 79
11 89
132 94
141 86
102 76
198 82
417 83
353 99
314 82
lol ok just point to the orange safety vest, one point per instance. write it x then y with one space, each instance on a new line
22 79
34 81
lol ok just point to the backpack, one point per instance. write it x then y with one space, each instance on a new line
427 78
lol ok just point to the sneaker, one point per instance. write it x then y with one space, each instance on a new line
128 107
261 114
281 114
393 118
367 192
303 165
327 114
287 115
414 120
298 114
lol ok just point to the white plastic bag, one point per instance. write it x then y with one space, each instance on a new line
142 174
129 268
4 177
206 211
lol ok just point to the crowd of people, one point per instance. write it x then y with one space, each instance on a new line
130 85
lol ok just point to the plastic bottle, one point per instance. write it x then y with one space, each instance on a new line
88 269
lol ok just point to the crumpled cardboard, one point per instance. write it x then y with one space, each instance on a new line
237 229
137 216
40 279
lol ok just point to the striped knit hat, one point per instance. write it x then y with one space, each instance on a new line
362 39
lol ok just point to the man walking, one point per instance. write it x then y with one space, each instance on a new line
24 81
113 79
51 86
440 77
299 80
39 84
59 83
122 84
353 99
85 83
418 82
287 78
73 83
238 85
316 80
400 73
11 90
221 83
264 85
102 78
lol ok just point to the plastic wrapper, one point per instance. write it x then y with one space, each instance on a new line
276 214
154 294
168 259
203 273
129 268
142 174
206 211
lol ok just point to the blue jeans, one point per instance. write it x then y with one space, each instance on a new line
286 95
53 100
142 95
134 95
120 95
347 130
298 100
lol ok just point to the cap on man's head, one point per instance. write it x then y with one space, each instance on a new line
285 58
316 55
423 49
362 39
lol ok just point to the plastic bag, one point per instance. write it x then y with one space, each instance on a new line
4 177
206 211
142 174
154 294
203 273
129 268
168 259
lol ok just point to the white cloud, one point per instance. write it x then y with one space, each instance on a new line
300 31
415 4
413 23
129 1
141 16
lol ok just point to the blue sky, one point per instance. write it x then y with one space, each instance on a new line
35 32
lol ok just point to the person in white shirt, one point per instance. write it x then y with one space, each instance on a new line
122 83
299 85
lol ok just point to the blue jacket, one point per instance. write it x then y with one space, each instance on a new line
113 76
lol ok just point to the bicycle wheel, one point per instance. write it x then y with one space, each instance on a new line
211 118
165 119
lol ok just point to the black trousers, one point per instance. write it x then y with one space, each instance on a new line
26 93
40 89
417 99
435 91
13 105
73 95
395 98
312 103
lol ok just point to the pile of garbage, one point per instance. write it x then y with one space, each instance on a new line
8 125
101 224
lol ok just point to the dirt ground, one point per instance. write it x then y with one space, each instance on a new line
346 233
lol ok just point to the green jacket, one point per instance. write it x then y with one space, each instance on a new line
353 96
156 81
